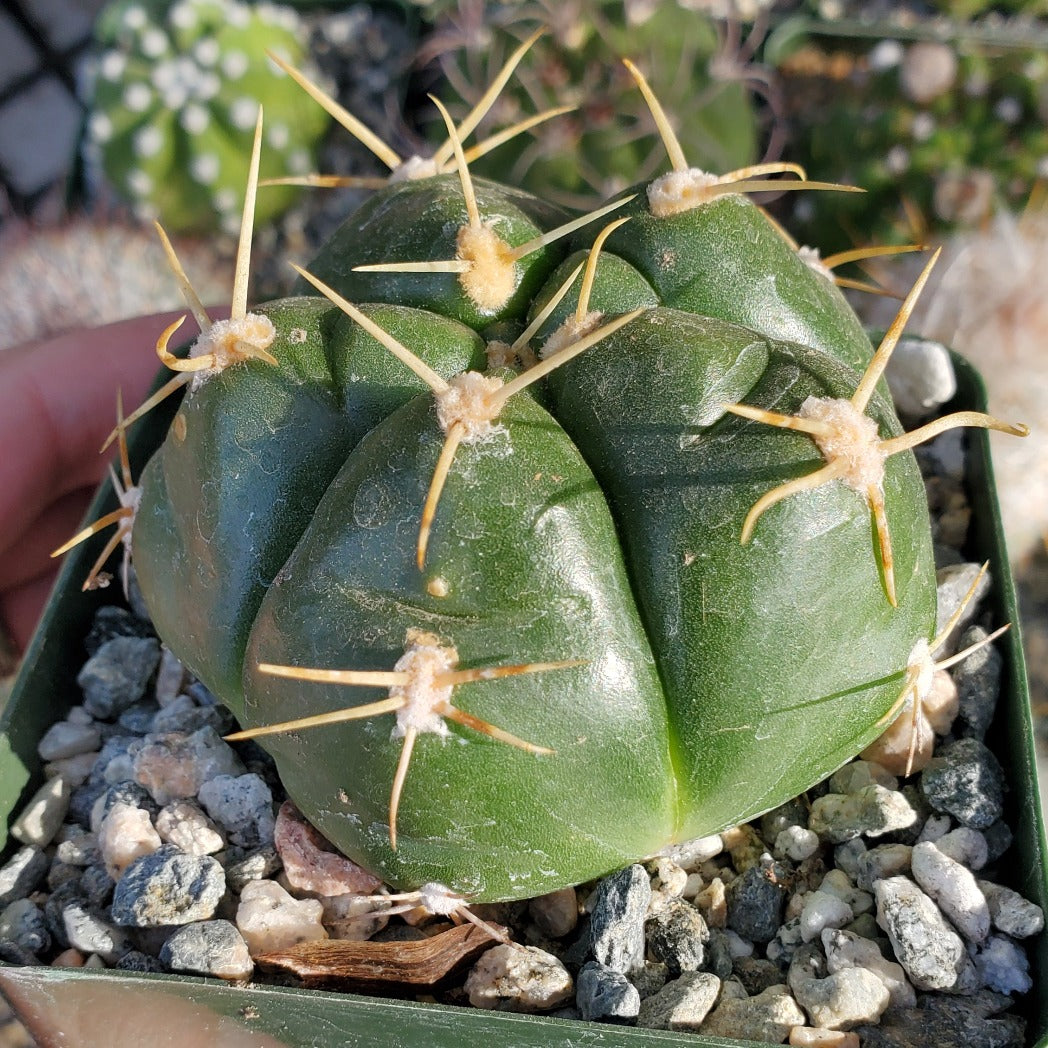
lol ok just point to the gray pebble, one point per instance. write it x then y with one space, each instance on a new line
954 581
677 936
245 865
83 800
111 621
618 908
848 855
757 973
719 957
129 793
168 887
62 873
117 675
649 979
944 1022
242 805
871 811
96 886
931 952
137 961
114 763
1003 966
755 902
1011 913
965 780
604 995
22 922
208 948
954 889
66 739
998 840
555 914
12 953
138 718
682 1004
76 845
978 680
920 376
21 874
89 932
767 1017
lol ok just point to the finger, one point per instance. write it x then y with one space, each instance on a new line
29 554
57 401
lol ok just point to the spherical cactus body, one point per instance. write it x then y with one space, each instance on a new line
506 638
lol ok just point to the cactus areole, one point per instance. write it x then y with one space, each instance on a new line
508 640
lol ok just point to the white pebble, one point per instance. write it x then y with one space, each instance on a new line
270 919
1003 966
847 950
126 834
954 889
797 843
42 816
184 825
822 910
689 855
75 770
518 978
966 846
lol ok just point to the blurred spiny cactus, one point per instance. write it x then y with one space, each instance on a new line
176 88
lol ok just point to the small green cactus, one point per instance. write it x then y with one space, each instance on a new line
175 95
666 578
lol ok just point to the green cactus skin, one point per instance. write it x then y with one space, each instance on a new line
709 679
260 446
176 94
418 220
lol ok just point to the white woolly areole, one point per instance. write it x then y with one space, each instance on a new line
414 167
130 499
424 701
811 258
854 440
439 900
570 332
227 340
679 191
470 399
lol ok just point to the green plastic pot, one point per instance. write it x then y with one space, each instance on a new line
90 1007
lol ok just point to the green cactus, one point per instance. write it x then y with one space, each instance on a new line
175 95
630 610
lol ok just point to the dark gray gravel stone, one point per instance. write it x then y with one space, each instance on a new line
96 886
22 923
965 780
945 1022
242 805
113 759
619 907
22 873
113 621
184 714
756 974
604 995
998 840
718 955
12 953
677 936
978 680
207 948
168 887
137 961
82 801
755 902
117 675
138 718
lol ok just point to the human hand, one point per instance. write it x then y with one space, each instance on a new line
57 405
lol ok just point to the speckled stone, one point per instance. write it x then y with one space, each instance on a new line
168 888
1010 912
767 1017
845 949
66 739
175 766
246 865
39 820
117 675
270 919
518 979
932 953
682 1004
946 1022
89 933
22 922
871 811
111 621
954 889
208 948
617 913
677 935
755 902
965 780
242 805
839 1000
604 995
978 680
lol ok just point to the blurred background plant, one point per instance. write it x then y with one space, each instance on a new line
702 69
